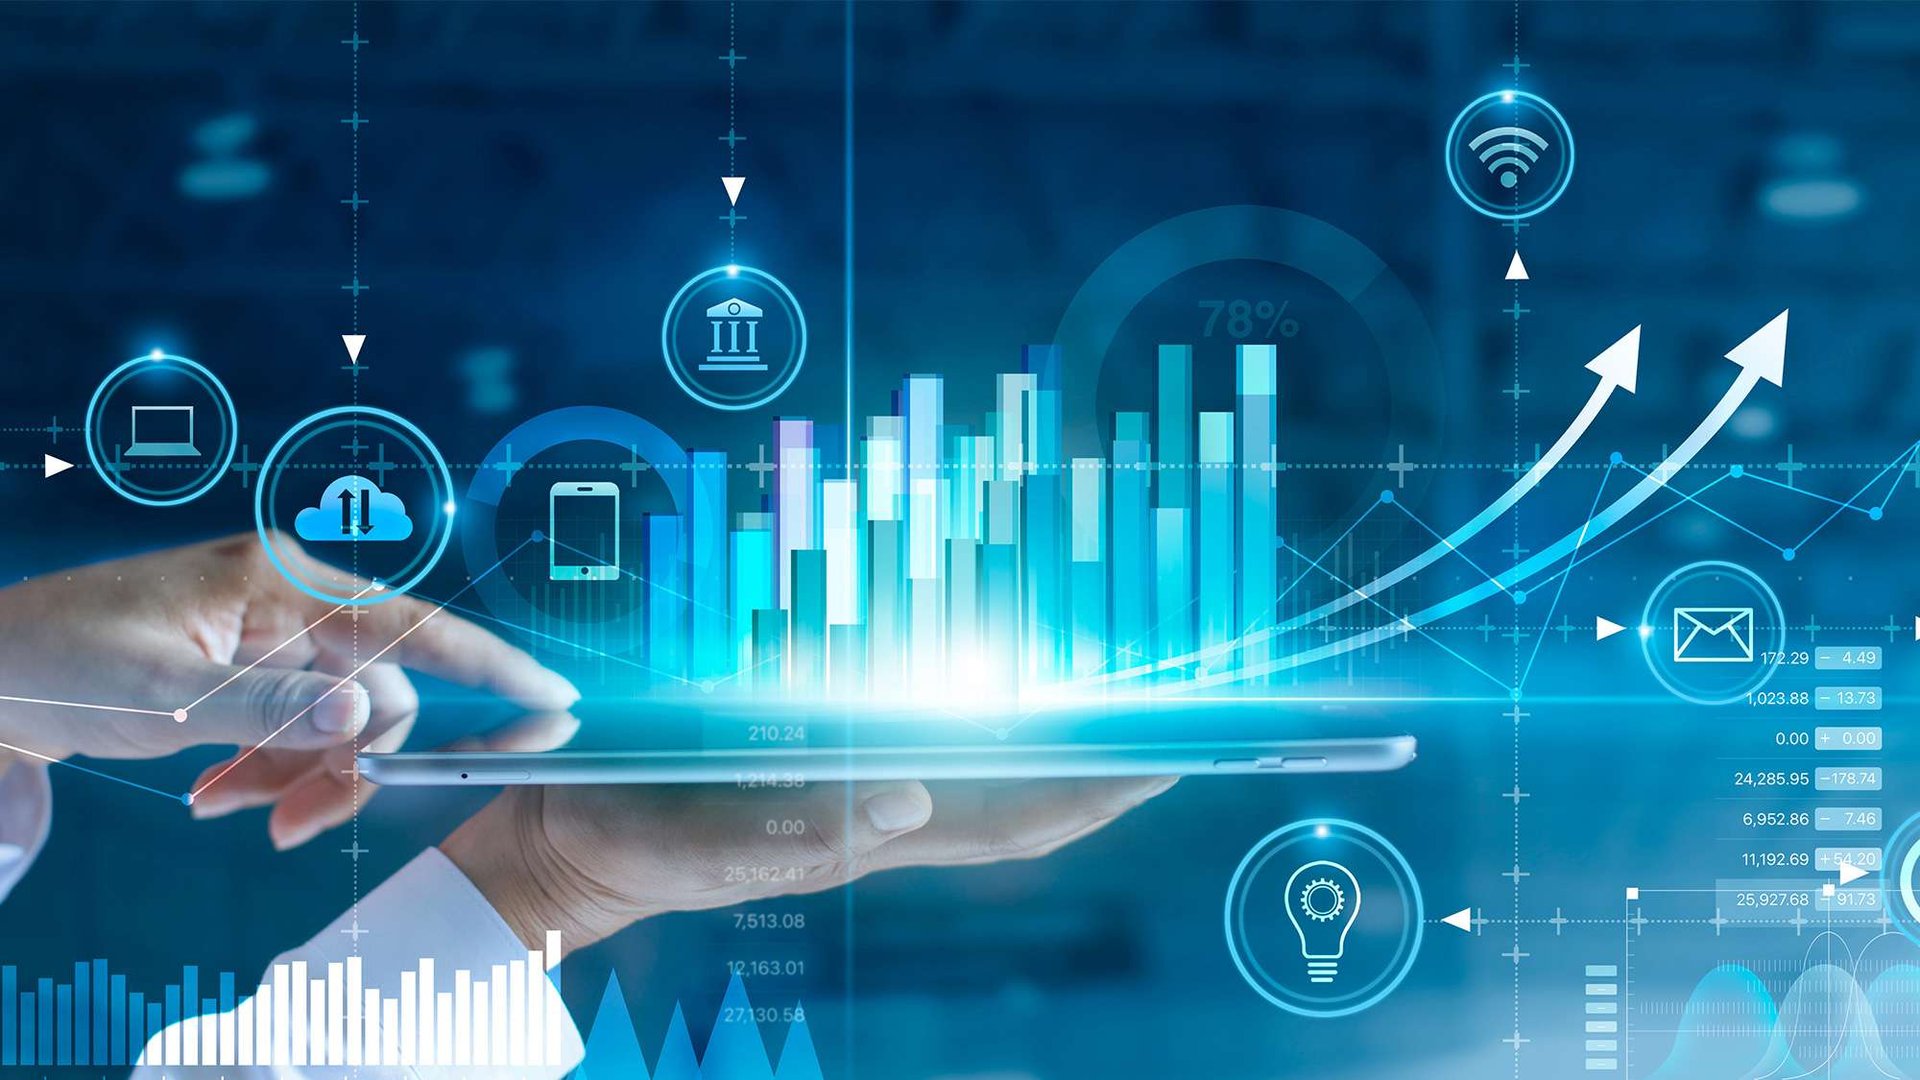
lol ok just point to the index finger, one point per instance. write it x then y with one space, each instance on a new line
429 639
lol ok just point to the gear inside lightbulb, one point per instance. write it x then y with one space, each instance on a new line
1322 900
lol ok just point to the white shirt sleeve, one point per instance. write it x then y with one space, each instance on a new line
26 813
419 930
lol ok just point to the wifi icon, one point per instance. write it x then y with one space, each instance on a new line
1509 152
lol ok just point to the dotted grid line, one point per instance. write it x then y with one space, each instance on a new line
1517 712
1078 464
354 849
733 64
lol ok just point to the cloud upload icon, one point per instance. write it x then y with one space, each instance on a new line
353 508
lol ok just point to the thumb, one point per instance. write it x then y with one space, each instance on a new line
292 710
859 820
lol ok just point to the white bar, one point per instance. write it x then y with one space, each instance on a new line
841 535
209 1025
263 1027
463 1017
389 1033
337 1014
443 1027
371 1028
282 1025
536 1007
517 1012
248 1019
482 1025
409 1001
556 1008
229 1037
426 1012
356 1020
500 1024
317 1022
300 1039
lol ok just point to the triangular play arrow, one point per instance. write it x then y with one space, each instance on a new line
733 184
1764 353
354 343
1461 920
1850 873
1604 628
1517 270
56 466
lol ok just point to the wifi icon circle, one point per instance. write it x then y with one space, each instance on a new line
1509 154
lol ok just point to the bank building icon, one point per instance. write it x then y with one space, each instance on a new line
736 337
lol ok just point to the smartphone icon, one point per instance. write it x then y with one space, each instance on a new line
583 531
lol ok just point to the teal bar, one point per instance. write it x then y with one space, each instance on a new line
136 1027
752 542
1089 583
1172 583
712 656
102 1012
155 1022
807 639
82 1013
1257 376
1132 529
666 598
963 506
1174 437
923 401
769 649
28 1025
846 659
9 1015
63 1030
963 606
1000 604
117 1021
1045 551
1216 543
886 607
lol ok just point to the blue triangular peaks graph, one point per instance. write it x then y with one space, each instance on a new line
734 1051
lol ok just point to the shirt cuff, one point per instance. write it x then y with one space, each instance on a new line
26 815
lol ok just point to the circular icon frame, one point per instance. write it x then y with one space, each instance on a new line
687 375
428 554
1406 949
216 465
1518 210
1896 885
1763 593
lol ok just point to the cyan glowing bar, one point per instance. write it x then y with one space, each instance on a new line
666 597
752 542
102 1012
712 656
117 1021
1000 608
1087 569
807 638
769 649
840 533
964 621
1173 414
1257 378
1009 427
927 657
63 1032
794 496
885 451
1172 582
137 1031
962 519
1216 544
28 1047
1132 532
886 607
922 401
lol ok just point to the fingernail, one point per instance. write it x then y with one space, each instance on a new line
211 805
341 712
896 811
290 837
555 689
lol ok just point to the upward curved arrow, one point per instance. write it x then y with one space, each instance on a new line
1760 356
1618 366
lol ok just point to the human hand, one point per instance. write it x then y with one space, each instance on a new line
98 660
587 861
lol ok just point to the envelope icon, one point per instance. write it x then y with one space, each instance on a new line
1712 635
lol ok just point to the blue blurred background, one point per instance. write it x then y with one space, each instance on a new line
541 178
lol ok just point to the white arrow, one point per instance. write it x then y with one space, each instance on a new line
1850 873
733 184
1760 356
354 343
1604 628
1517 270
1462 919
1618 366
54 465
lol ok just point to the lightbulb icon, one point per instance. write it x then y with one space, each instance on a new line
1323 899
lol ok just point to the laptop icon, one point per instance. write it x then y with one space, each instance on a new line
162 431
